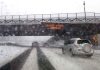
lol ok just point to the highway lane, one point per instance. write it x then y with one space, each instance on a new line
31 62
59 62
66 62
48 59
36 61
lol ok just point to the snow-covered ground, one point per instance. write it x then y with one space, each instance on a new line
59 43
24 40
8 53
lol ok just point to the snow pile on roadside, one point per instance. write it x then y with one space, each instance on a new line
59 43
8 53
24 40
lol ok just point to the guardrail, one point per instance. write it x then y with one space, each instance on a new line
90 17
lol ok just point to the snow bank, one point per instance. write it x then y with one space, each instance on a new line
24 40
8 53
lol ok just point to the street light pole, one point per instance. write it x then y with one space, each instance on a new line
84 10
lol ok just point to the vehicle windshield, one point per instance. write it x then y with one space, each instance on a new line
83 41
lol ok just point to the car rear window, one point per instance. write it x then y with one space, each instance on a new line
83 41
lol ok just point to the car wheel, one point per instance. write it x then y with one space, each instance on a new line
72 53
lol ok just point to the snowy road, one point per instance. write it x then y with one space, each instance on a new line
31 63
8 53
52 59
66 62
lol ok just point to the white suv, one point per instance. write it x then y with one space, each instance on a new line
78 46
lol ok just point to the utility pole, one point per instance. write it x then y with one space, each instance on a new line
84 11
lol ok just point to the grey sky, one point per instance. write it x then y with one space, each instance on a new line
13 7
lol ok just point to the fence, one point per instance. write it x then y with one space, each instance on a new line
61 17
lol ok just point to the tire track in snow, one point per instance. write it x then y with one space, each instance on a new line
43 62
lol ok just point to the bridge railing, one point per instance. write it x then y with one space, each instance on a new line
90 17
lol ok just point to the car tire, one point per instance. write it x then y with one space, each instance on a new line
72 53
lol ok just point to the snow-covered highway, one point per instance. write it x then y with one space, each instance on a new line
66 62
50 59
42 58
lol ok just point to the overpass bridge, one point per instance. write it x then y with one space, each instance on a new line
35 25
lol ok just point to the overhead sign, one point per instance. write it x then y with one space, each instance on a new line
54 26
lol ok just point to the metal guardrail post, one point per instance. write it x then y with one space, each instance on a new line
27 17
67 16
76 16
85 16
12 18
34 18
5 19
58 16
94 17
50 17
42 18
19 18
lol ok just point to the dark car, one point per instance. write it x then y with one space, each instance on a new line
35 44
45 45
